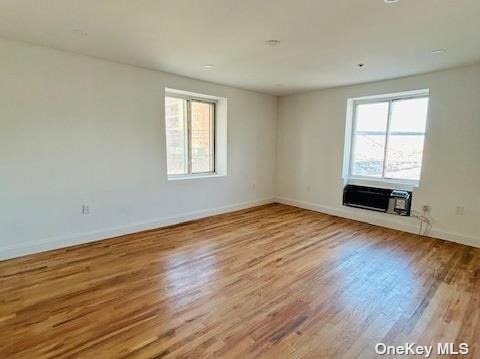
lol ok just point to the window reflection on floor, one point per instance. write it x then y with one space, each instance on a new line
190 272
387 279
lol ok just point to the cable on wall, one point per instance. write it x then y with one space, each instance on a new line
425 222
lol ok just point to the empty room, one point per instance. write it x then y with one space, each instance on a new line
239 179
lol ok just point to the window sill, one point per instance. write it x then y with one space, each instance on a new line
384 183
194 176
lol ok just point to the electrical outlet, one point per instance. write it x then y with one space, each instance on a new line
85 209
459 210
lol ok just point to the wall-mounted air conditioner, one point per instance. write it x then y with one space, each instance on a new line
378 199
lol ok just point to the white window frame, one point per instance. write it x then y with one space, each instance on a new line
350 140
211 100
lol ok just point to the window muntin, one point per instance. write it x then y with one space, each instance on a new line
387 138
190 136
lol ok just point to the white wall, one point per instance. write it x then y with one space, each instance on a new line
311 131
75 129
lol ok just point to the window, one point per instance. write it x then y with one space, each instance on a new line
190 135
387 138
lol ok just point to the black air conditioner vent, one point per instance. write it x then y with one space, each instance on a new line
378 199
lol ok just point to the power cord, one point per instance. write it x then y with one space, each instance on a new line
424 219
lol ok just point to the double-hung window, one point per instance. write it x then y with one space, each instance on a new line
190 135
387 137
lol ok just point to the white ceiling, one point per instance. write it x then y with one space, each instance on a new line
322 41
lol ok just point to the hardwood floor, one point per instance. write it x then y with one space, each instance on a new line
274 281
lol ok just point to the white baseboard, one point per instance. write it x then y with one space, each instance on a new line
382 220
47 244
355 214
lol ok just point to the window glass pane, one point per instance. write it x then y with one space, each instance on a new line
404 156
368 155
176 133
409 115
371 117
202 137
369 139
407 134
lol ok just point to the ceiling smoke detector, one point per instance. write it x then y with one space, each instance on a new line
390 1
439 51
272 42
208 67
